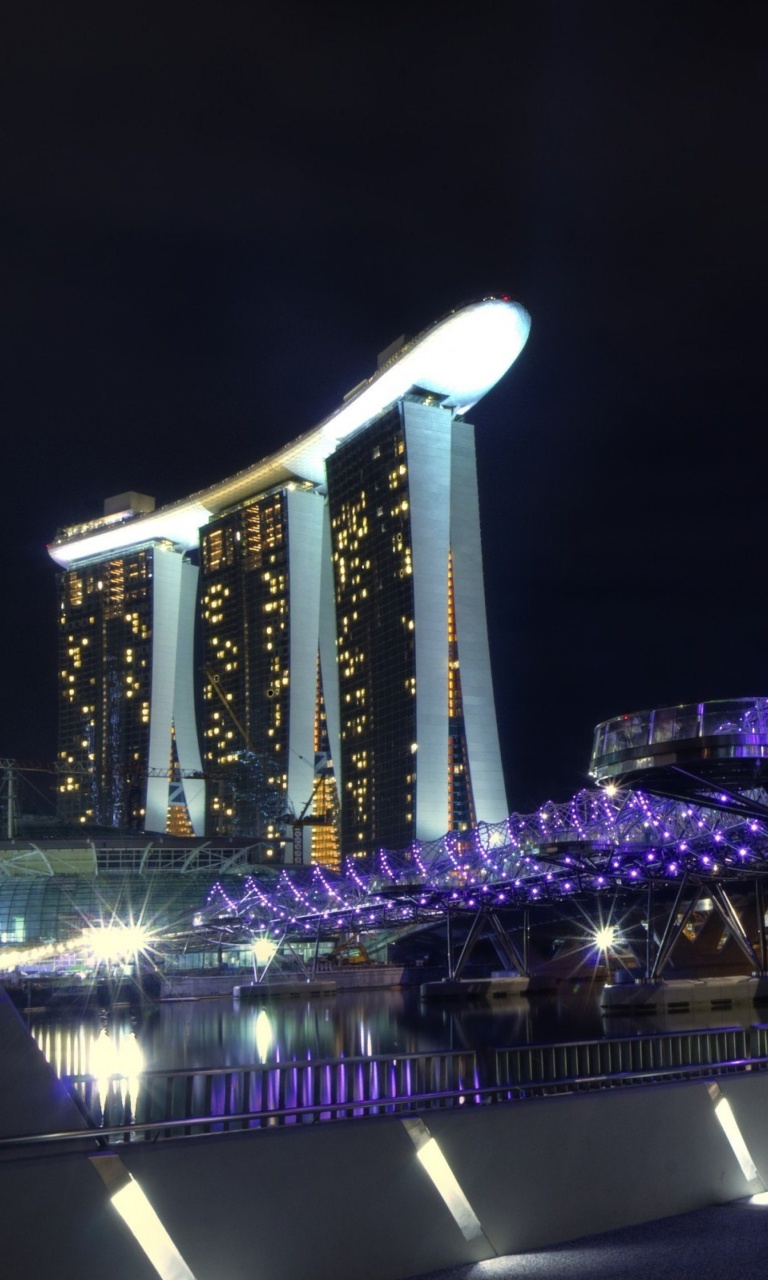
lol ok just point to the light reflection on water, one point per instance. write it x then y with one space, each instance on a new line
218 1033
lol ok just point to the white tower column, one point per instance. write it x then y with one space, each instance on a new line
172 699
166 590
184 720
305 544
328 649
472 632
428 452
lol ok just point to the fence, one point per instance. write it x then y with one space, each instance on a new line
259 1095
161 1104
536 1070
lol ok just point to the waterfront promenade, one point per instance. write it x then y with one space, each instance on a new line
727 1242
353 1198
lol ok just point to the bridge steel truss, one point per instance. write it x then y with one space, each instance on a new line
601 844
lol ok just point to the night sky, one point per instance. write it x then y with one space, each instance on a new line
214 218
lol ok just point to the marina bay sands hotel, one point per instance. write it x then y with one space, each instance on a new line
298 654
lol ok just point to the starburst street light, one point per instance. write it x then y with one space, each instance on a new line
263 950
98 944
605 937
115 942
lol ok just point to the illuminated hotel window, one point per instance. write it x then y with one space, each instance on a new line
244 580
374 593
460 799
104 709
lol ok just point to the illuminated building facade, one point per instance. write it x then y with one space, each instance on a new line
105 653
410 616
259 614
128 755
342 672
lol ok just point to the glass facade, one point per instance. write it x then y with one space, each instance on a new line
326 833
177 822
460 800
243 662
105 668
245 614
271 692
245 623
706 734
57 908
373 583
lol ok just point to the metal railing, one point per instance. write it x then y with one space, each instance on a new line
262 1095
164 1104
536 1070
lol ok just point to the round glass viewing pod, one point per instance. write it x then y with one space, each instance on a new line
686 750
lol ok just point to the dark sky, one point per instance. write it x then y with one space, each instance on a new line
214 218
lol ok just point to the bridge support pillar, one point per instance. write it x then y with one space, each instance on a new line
649 931
488 922
475 930
673 928
733 921
760 905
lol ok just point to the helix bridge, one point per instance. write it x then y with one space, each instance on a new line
599 842
677 818
681 811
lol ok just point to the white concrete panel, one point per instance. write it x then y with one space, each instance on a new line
472 632
368 1209
166 590
57 1221
428 452
187 741
596 1162
534 1172
34 1101
305 544
328 649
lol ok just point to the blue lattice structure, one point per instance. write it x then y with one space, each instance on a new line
597 843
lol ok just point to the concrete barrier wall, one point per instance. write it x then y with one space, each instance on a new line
55 1215
352 1200
32 1098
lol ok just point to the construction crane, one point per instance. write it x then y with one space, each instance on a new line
10 770
213 681
248 766
305 818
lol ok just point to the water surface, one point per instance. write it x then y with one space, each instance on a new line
217 1033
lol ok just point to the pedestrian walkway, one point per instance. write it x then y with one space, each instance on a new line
725 1242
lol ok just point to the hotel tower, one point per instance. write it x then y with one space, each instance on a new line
299 654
